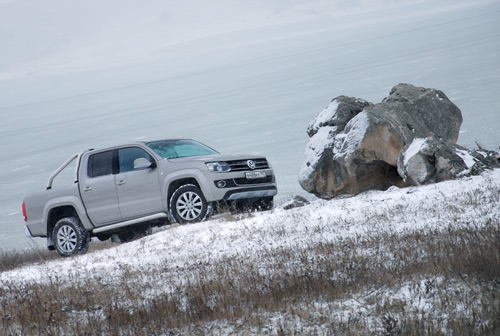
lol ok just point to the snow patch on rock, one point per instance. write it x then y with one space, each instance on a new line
467 157
317 144
325 116
355 132
416 146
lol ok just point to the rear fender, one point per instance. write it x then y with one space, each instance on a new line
68 201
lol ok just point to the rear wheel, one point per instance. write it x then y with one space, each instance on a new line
188 205
70 237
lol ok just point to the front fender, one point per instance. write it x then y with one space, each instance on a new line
196 174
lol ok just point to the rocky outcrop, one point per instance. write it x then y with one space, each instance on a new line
408 138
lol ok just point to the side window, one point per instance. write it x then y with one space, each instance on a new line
100 164
127 156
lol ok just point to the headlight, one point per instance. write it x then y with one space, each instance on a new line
218 167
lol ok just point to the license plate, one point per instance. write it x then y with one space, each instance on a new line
256 174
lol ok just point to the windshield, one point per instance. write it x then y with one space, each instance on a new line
172 149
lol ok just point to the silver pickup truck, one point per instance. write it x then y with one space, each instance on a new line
126 190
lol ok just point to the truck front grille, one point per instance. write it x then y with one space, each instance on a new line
240 165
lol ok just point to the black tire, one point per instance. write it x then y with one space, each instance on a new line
70 237
188 205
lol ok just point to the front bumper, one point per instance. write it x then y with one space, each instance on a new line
250 193
236 186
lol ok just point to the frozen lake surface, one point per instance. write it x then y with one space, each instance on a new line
252 86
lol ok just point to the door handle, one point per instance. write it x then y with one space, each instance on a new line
120 183
87 189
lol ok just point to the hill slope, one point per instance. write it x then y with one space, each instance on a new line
403 260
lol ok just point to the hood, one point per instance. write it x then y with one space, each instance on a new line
217 157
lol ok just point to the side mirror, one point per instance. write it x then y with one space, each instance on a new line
143 163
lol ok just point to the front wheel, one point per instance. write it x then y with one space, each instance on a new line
188 205
70 237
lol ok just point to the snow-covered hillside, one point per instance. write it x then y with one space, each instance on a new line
240 76
414 209
269 244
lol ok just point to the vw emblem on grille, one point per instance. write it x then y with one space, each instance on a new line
251 164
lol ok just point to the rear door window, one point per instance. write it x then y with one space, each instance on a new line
100 164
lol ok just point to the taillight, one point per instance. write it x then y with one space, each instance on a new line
24 212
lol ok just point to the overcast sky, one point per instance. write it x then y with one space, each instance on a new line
39 36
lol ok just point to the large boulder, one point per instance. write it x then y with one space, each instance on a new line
408 138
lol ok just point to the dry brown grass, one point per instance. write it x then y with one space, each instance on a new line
427 282
246 296
15 259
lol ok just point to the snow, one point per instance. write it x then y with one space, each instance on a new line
342 144
213 240
415 147
467 157
173 253
241 76
354 131
325 115
317 144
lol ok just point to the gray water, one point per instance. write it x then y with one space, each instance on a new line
252 91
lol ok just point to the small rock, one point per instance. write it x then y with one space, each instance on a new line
296 202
